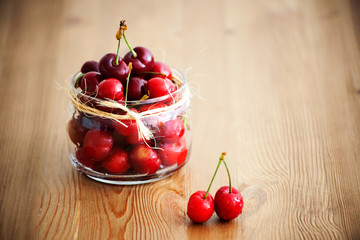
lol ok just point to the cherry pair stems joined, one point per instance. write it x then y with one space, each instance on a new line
228 202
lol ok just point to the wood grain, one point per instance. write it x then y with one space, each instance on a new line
277 86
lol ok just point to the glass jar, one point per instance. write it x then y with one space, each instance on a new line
130 143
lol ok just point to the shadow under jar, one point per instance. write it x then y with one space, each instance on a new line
107 143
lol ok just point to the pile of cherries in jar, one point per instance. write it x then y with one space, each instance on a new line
107 146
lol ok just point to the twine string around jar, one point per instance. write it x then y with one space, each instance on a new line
144 132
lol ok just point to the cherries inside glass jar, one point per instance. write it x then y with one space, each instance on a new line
108 143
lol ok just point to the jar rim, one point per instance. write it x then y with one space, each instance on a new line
179 76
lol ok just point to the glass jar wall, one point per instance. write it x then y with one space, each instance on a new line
130 142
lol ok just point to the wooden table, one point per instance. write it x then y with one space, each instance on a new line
276 84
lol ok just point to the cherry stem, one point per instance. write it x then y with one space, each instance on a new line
118 36
117 53
228 172
217 168
127 82
77 81
132 50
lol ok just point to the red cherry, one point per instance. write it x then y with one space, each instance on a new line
111 88
160 87
144 160
97 144
131 126
200 209
84 159
171 131
118 162
173 153
160 67
228 201
228 205
119 140
144 60
133 139
76 131
90 66
90 81
137 88
109 69
126 131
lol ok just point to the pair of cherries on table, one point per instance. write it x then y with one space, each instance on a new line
228 202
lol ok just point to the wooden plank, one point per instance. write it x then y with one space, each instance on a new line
277 87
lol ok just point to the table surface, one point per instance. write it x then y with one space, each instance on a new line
275 84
